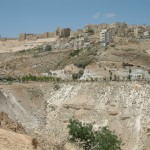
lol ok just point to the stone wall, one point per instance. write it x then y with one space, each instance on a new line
25 36
77 33
22 37
51 34
63 33
5 39
45 35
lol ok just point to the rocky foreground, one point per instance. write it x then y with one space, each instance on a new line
45 108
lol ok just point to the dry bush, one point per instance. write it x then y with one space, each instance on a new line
34 143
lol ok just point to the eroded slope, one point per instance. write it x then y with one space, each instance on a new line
123 106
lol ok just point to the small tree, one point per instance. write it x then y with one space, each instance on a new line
103 139
81 133
130 72
110 73
90 31
76 76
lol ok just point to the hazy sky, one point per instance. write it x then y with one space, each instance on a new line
38 16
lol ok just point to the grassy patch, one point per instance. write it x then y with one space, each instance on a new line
30 51
83 62
39 78
74 53
8 79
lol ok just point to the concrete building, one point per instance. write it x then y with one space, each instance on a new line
139 32
105 37
147 34
136 32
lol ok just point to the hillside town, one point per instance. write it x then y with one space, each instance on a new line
99 75
96 39
105 34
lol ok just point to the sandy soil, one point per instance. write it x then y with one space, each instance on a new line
15 45
14 141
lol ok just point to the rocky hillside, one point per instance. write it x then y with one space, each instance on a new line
45 82
123 106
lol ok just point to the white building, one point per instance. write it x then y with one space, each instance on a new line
105 37
147 34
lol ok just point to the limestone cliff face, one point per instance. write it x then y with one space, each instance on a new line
23 103
123 106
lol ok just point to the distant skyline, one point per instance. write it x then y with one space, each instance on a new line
39 16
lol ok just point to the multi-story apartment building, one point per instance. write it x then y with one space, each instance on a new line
105 37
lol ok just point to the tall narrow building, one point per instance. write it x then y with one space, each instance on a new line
105 37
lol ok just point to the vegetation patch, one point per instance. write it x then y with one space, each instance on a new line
29 78
90 31
39 78
74 53
30 51
76 76
8 79
83 62
85 136
127 64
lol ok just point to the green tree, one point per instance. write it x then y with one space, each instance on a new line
103 139
130 72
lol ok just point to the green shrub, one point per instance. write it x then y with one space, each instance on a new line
34 51
76 76
130 76
38 78
80 132
103 139
74 53
83 62
90 31
8 79
110 73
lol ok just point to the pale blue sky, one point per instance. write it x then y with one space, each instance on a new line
38 16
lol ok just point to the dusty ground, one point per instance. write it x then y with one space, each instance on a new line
16 45
13 135
11 125
14 141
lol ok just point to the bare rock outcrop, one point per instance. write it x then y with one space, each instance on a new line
123 106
